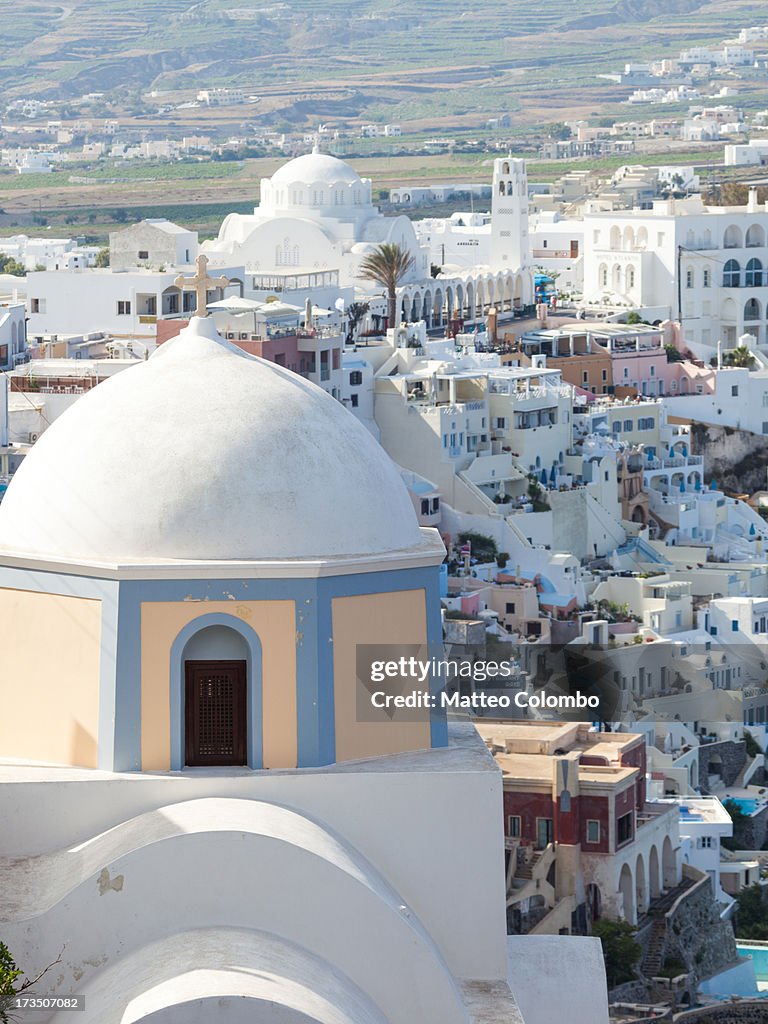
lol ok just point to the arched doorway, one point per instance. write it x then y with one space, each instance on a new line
627 890
594 902
654 874
668 864
215 698
641 889
216 704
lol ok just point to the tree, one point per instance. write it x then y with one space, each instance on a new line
483 548
620 950
740 356
753 747
355 313
752 913
9 975
8 265
102 257
673 355
387 265
435 270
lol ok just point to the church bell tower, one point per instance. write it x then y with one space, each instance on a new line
510 246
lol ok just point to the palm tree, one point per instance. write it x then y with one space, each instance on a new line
740 356
387 265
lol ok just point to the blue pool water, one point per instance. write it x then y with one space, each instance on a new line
759 955
748 806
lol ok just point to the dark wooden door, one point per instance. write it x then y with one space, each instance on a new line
216 722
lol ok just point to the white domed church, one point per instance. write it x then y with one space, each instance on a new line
205 822
316 216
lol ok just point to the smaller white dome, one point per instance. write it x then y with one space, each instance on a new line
315 169
205 453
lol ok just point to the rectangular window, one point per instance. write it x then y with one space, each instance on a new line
585 377
624 829
355 378
510 607
143 254
543 832
513 826
734 391
734 625
616 426
354 401
501 422
707 278
605 375
123 307
3 355
593 831
689 279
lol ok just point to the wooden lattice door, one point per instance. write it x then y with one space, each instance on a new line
216 723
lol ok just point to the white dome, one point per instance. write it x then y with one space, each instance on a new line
315 169
201 453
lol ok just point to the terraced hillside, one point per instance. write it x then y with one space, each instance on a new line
436 61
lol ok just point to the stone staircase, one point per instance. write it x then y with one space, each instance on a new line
526 870
657 911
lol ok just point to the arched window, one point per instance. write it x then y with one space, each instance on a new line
615 237
752 310
755 236
732 239
732 274
630 278
753 276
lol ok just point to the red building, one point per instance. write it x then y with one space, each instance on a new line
577 822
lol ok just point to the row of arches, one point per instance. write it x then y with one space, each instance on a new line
752 310
753 274
733 237
435 304
646 879
620 279
628 239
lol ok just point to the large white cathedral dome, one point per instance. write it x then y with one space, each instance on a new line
206 453
315 169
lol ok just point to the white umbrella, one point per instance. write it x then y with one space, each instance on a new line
235 304
319 311
279 309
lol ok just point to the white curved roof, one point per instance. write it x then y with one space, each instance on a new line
206 453
315 169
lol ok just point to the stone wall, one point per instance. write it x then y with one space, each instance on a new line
751 831
733 754
745 1012
736 459
697 936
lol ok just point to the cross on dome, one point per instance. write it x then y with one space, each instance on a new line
201 283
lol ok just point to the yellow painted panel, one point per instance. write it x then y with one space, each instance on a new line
393 618
50 662
275 623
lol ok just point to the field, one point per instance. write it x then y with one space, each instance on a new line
438 68
427 63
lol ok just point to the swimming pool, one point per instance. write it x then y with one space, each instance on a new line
746 804
759 957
